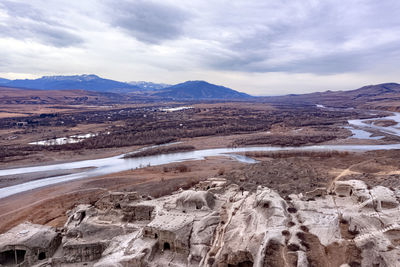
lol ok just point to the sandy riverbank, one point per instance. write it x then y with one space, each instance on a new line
48 205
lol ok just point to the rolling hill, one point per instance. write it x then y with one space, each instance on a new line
380 96
196 90
10 95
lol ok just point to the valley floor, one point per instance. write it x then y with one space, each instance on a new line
236 124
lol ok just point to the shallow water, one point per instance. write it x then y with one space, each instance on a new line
394 130
361 134
175 109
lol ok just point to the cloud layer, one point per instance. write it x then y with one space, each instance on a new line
24 21
248 45
146 21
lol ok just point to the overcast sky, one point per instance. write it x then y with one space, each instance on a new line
262 47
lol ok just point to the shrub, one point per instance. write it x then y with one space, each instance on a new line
161 150
182 168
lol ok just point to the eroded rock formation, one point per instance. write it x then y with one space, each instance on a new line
214 224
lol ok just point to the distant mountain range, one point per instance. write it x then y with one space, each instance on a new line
2 80
83 82
381 96
194 90
200 90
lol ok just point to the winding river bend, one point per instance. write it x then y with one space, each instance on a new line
118 163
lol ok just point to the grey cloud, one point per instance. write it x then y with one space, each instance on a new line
57 36
332 62
27 22
327 25
351 61
5 60
303 36
22 10
148 22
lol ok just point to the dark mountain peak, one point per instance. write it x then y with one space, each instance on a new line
200 90
198 82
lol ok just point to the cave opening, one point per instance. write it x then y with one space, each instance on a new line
242 264
167 246
11 257
42 256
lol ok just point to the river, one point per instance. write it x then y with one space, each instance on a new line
119 163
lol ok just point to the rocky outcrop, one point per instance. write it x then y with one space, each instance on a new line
218 225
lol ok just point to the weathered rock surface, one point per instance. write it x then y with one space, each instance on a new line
218 225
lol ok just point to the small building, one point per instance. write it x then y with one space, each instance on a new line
116 199
172 230
22 123
28 243
347 188
82 251
137 212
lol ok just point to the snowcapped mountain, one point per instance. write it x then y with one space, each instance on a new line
150 86
88 82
